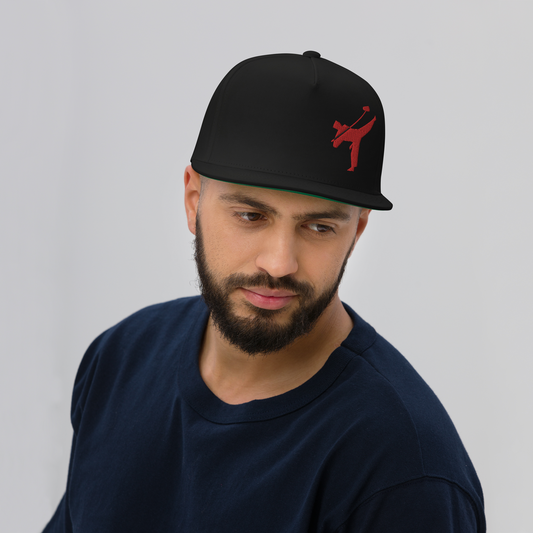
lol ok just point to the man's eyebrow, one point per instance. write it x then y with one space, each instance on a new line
247 200
334 213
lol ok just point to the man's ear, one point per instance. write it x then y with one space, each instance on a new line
361 225
193 186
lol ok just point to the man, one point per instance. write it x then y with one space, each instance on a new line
267 405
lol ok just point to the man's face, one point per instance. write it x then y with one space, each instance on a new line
269 262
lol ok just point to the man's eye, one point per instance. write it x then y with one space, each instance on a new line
320 228
250 217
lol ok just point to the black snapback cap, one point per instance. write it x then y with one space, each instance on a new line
298 123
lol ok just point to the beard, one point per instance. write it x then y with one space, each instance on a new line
260 333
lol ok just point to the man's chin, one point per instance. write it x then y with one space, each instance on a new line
260 332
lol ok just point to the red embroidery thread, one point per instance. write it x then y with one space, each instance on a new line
353 135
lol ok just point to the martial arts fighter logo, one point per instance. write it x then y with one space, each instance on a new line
354 135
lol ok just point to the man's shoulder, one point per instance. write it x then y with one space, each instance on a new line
405 413
392 377
155 329
143 344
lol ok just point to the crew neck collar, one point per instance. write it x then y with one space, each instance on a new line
206 404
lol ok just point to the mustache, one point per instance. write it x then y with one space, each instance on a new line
262 279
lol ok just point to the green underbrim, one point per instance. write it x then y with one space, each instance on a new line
284 190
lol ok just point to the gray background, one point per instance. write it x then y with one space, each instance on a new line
100 105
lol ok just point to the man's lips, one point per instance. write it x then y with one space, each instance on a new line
271 293
268 298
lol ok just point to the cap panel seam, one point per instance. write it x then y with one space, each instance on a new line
315 81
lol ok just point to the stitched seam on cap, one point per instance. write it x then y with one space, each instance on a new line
315 81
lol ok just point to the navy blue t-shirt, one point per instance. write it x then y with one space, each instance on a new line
363 446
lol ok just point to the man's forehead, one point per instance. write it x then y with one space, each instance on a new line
274 200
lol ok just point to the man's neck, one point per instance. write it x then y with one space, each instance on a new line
236 377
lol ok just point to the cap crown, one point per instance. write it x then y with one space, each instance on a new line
298 123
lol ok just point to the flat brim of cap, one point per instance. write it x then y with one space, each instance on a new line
257 178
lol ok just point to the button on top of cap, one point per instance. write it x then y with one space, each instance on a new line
311 53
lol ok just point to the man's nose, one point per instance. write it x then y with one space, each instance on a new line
277 255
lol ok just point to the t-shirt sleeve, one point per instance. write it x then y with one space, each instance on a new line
60 521
420 506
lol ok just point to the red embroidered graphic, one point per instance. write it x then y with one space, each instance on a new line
354 135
